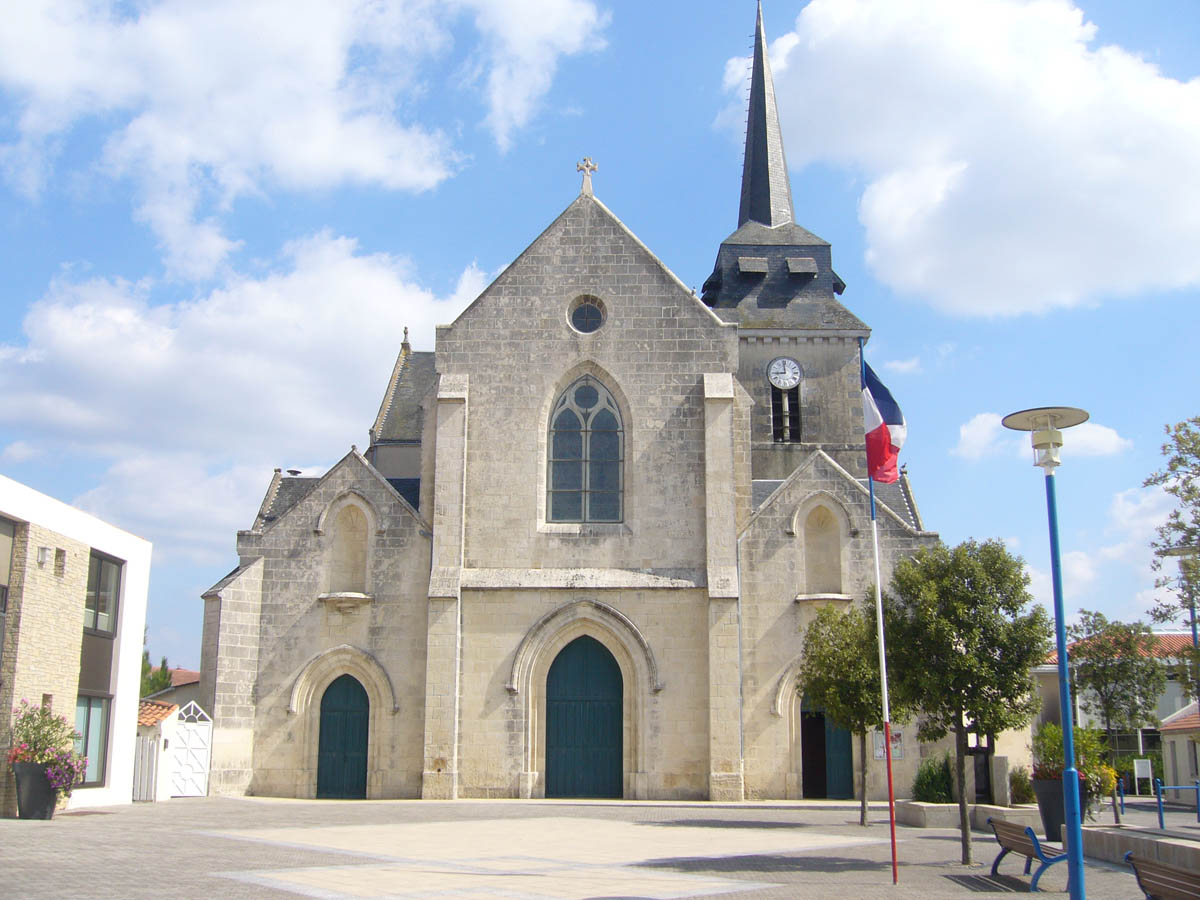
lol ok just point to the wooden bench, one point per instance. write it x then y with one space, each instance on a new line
1162 881
1020 839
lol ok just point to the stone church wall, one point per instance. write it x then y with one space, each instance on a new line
777 611
310 635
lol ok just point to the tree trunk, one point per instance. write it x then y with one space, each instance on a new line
960 776
862 750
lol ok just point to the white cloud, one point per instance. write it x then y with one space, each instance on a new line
1090 439
285 367
985 435
200 104
904 366
18 452
1004 152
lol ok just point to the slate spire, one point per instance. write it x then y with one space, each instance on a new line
766 193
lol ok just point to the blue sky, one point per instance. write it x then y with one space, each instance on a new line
217 219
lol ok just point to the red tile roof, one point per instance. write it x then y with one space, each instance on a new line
151 712
180 677
1167 645
1187 719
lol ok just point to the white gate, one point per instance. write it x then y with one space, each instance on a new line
191 752
145 768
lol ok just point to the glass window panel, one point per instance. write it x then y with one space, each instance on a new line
106 598
605 445
604 506
566 506
89 611
567 445
604 476
91 715
605 421
586 396
568 476
567 421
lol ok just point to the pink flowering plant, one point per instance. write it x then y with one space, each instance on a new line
39 736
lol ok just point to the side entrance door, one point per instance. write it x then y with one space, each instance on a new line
342 748
584 722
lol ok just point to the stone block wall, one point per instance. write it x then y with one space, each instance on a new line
43 632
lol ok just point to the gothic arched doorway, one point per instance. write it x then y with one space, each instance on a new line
584 722
826 760
342 746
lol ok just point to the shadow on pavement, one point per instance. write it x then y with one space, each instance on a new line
725 823
985 884
766 863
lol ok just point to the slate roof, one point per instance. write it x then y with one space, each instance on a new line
896 496
152 712
283 493
773 293
766 191
400 417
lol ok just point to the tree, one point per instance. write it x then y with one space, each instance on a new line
963 640
154 680
1179 477
840 674
1119 678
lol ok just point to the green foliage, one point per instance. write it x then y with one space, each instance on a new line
1098 779
1124 767
840 669
1179 477
1020 787
1119 679
961 642
840 674
963 639
39 736
932 784
154 680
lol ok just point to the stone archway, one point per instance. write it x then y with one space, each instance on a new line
309 689
638 668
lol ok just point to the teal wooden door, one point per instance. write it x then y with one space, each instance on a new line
342 748
839 763
584 722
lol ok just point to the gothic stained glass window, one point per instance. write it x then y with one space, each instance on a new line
585 481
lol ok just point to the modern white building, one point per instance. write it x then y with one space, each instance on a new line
72 612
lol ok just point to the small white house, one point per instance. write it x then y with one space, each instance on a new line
173 751
1181 751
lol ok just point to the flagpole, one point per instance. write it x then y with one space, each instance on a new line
883 682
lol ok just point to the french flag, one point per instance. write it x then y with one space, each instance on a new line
885 429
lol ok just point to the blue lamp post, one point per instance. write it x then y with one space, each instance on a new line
1044 424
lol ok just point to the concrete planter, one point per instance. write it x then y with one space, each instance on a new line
1049 792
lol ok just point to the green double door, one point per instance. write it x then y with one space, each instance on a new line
826 759
342 747
584 722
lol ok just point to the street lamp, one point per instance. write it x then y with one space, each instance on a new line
1044 424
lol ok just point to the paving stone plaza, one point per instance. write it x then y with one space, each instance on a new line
566 850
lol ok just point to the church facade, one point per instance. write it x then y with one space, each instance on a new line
579 553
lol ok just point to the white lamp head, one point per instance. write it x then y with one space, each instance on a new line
1044 423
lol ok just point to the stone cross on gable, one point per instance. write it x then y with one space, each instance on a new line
587 167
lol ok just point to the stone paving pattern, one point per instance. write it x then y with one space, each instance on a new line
605 850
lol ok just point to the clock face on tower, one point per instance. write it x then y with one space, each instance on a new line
783 372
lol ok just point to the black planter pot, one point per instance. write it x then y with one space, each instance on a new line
1049 792
36 799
